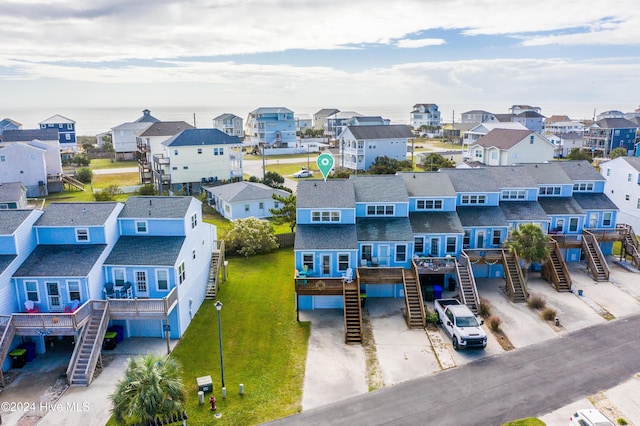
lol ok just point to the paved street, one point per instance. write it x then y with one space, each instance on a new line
530 381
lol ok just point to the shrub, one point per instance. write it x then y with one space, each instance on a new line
494 322
80 160
147 189
536 301
108 194
484 309
622 421
432 318
84 175
250 236
549 314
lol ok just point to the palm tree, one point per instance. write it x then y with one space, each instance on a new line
151 388
530 243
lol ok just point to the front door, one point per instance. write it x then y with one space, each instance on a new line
480 240
593 221
142 286
434 251
383 255
53 296
326 264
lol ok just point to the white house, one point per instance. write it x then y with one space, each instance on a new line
622 186
13 195
240 200
475 133
504 147
196 157
425 115
149 143
303 122
23 162
554 127
565 142
231 124
361 145
124 138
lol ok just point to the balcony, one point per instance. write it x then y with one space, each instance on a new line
143 308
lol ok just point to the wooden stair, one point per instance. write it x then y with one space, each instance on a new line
352 313
555 269
7 333
87 351
72 182
467 283
214 273
416 317
596 263
516 284
630 245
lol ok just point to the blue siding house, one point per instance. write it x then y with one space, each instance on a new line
271 126
66 132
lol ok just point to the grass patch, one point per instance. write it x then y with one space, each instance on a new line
549 314
536 301
120 179
264 346
494 322
106 163
484 309
531 421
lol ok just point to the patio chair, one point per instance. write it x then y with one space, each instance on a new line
109 291
347 277
374 261
126 291
31 307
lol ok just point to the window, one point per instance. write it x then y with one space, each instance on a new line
494 155
181 273
218 151
73 288
343 261
194 253
366 252
573 224
451 244
69 126
638 204
261 206
68 137
307 260
82 234
608 172
31 288
478 153
380 210
582 187
246 207
513 194
629 177
401 252
175 152
418 244
141 227
320 216
531 139
606 219
626 197
162 279
185 167
194 220
3 158
473 199
118 277
141 282
174 168
496 237
550 190
199 150
466 240
560 225
429 204
276 205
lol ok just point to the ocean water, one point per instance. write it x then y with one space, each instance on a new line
94 120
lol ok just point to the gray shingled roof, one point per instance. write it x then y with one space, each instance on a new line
10 220
332 193
379 189
591 201
481 216
391 131
28 135
166 128
523 211
633 162
560 205
11 191
156 207
325 112
512 177
5 261
428 184
245 191
384 229
503 138
530 114
225 116
146 117
616 123
471 180
548 173
147 251
76 214
326 237
435 223
580 171
68 260
198 137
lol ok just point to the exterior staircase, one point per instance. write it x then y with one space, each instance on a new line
7 333
214 273
630 245
467 283
516 284
555 269
352 313
87 351
73 182
416 317
596 263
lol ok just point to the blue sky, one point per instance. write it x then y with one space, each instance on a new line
485 54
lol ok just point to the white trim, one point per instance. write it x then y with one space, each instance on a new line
146 226
78 234
26 292
69 291
166 271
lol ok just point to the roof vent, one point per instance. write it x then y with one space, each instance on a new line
149 201
84 210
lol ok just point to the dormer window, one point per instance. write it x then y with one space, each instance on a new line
141 227
82 234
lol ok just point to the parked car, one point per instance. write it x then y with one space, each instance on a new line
460 324
589 417
303 173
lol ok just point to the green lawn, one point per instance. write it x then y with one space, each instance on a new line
213 217
120 179
264 346
106 163
531 421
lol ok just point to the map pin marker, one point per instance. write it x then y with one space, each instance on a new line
325 164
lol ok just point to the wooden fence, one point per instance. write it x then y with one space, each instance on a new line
286 240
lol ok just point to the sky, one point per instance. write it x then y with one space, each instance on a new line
564 56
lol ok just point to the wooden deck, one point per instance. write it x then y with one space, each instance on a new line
434 265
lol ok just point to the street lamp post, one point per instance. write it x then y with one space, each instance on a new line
218 306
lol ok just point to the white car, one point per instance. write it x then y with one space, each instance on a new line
589 417
303 173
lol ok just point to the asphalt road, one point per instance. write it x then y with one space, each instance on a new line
527 382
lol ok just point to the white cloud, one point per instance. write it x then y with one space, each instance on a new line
413 44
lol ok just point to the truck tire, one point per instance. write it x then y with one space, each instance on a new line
455 343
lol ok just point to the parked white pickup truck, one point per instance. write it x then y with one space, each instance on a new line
460 324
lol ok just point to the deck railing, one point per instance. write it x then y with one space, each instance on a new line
55 321
5 341
607 234
143 307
